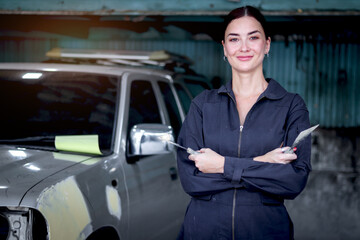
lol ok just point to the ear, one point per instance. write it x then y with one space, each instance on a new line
223 44
268 43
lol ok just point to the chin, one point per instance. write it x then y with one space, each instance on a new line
246 68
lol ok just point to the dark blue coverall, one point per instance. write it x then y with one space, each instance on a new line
246 201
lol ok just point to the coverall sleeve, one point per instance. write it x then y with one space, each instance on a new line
283 180
194 182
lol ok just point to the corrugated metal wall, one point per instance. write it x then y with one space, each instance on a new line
324 74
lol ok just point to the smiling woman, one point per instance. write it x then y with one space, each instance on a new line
245 41
245 45
240 180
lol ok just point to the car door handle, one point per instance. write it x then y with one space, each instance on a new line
173 173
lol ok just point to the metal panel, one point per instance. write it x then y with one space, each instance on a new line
324 74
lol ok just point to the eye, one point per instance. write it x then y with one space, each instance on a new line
254 37
233 39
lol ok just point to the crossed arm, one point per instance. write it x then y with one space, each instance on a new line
274 172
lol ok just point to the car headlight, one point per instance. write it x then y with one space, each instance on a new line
22 223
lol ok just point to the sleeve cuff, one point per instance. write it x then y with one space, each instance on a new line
234 168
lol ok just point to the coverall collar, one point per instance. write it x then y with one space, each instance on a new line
273 91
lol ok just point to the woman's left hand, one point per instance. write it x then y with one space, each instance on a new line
208 161
277 155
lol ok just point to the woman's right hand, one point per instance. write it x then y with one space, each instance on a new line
277 156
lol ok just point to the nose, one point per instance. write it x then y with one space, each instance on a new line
244 46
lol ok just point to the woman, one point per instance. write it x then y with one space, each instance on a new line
239 181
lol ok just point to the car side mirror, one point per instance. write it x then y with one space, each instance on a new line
148 139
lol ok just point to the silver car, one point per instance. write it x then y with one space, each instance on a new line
83 152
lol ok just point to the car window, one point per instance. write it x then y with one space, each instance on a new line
143 104
35 104
184 97
171 106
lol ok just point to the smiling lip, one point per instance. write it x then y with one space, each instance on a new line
244 58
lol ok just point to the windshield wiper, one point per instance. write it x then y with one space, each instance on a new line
38 141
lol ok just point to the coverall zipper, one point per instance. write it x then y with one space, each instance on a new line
235 190
239 145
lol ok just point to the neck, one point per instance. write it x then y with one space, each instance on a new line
248 84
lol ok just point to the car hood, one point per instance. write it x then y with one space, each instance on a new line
21 169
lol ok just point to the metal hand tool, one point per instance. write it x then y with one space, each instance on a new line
188 150
300 137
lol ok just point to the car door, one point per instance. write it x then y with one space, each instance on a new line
156 200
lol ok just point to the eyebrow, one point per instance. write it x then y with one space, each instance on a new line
256 31
250 33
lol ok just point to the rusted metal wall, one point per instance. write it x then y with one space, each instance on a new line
325 74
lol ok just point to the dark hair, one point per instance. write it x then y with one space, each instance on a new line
246 11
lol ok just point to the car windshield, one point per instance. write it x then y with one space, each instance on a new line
36 106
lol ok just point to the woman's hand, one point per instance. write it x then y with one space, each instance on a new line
277 156
208 161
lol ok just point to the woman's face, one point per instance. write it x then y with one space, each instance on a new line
245 44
